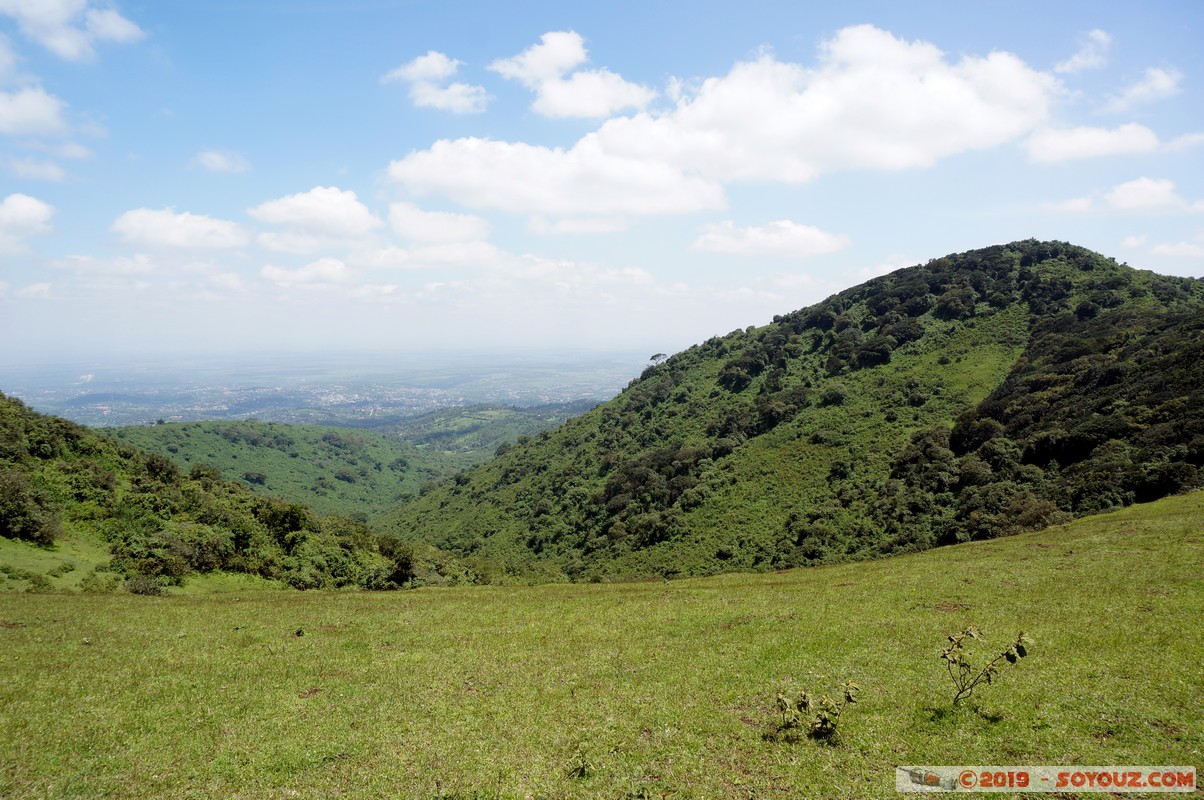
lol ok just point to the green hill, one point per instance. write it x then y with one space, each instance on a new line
355 473
361 472
977 395
80 510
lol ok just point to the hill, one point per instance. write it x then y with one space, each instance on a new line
632 690
108 513
362 470
976 395
355 473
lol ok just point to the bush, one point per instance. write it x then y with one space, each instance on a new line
814 717
25 512
144 585
966 678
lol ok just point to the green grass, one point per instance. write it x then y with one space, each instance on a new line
62 567
613 690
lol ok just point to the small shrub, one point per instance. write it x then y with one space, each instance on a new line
814 717
964 675
99 583
144 585
38 583
581 765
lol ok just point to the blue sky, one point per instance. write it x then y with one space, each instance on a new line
214 175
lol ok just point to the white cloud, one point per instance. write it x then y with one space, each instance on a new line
31 111
585 225
8 59
585 93
781 238
322 211
70 28
35 169
523 178
1184 142
1091 55
1156 84
1140 194
466 254
293 242
557 53
219 161
590 94
167 228
1064 144
427 76
875 102
227 282
320 272
1148 194
138 264
410 222
35 291
1130 242
22 216
1180 250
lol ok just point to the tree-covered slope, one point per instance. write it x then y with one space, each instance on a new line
973 396
362 472
150 523
355 473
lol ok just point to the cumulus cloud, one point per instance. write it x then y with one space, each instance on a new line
874 102
781 238
410 222
70 28
322 271
1052 145
220 161
427 76
1140 194
323 210
542 68
523 178
167 228
1156 84
1148 194
1179 250
22 216
557 53
1091 55
32 111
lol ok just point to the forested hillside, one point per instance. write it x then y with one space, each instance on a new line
974 396
159 524
355 473
362 472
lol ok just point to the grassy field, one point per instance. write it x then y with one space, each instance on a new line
615 691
